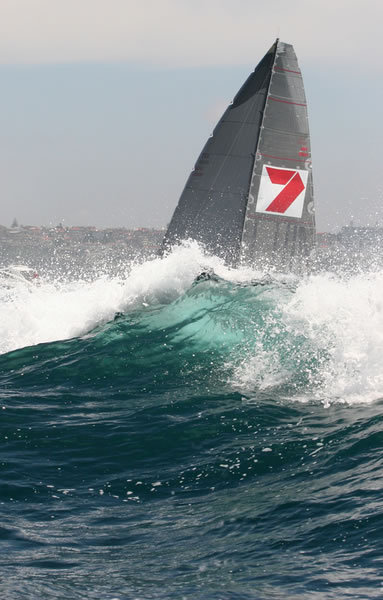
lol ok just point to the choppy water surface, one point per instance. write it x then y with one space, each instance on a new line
164 436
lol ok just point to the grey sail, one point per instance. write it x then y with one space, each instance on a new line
249 198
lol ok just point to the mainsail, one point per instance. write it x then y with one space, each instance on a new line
249 198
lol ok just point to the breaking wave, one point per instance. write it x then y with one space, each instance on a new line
318 337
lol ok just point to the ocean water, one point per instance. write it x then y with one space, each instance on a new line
166 435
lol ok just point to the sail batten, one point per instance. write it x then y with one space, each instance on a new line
249 198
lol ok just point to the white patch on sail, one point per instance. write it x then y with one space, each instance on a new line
282 191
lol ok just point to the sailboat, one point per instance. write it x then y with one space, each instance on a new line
249 198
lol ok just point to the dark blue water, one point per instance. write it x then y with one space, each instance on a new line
218 440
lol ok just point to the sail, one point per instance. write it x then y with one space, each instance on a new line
249 198
279 225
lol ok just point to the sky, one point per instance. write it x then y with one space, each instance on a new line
106 104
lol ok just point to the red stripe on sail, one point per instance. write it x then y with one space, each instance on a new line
281 176
286 101
287 70
281 157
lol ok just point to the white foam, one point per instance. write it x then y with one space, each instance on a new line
262 370
32 313
338 320
344 317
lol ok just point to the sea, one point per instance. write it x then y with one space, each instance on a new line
178 430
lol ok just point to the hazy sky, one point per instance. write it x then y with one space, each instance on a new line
105 104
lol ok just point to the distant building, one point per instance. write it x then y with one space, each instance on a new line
359 238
